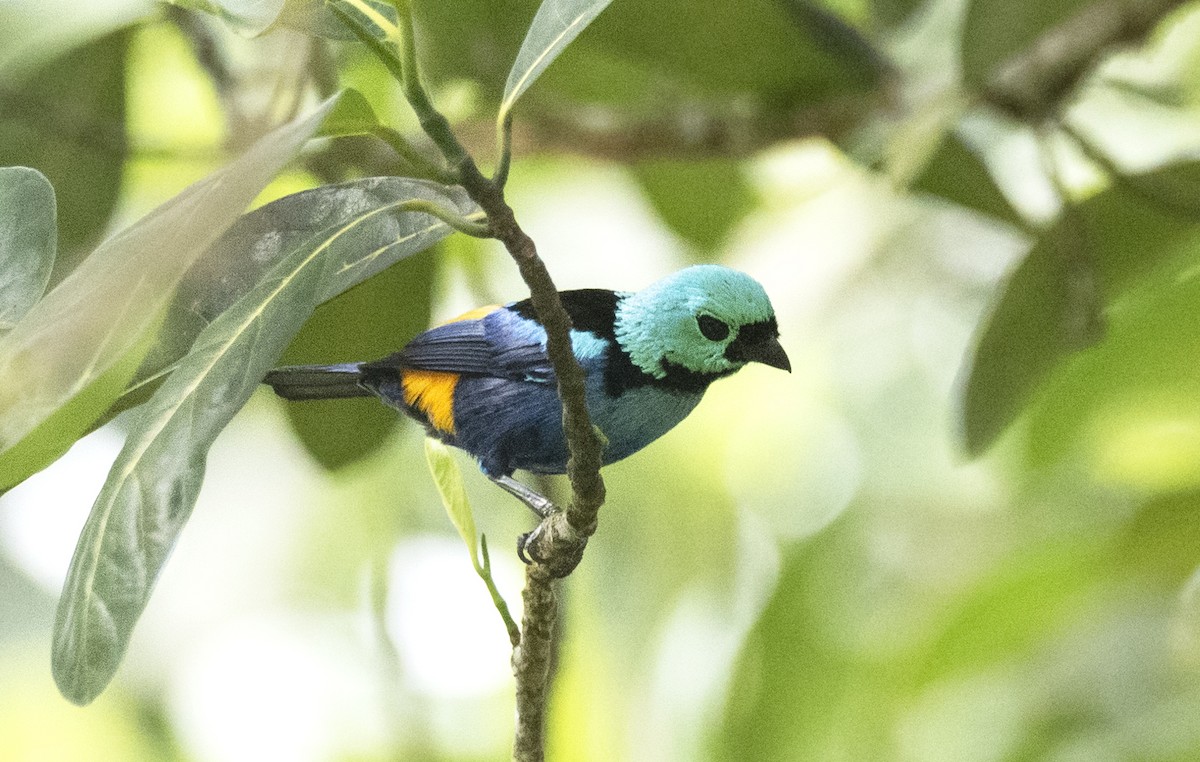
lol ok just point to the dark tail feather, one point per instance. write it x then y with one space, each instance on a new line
317 382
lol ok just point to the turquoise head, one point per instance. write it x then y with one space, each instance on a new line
706 319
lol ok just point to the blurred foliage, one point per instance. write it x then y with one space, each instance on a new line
957 174
758 51
1087 266
702 201
980 245
996 30
67 120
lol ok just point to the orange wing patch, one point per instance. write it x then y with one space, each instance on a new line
432 393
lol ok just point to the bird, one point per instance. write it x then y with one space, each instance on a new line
482 382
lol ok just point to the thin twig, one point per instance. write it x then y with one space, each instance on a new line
559 540
460 223
557 544
485 573
504 149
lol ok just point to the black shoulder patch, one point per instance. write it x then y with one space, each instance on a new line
591 309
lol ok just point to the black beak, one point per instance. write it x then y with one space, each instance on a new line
766 351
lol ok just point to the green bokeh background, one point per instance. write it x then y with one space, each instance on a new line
808 568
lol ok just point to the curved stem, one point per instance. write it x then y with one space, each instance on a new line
407 151
453 219
504 149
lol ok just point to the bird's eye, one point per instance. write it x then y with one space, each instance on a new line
713 329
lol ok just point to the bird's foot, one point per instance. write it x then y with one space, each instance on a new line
553 544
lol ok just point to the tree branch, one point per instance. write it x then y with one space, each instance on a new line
557 544
531 663
1032 84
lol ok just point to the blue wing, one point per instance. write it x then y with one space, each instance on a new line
500 344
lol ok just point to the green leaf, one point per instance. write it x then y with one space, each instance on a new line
28 239
957 174
1050 305
555 25
31 34
762 49
107 305
792 680
66 119
314 17
834 34
893 13
254 17
701 201
449 481
1130 408
54 436
153 485
364 323
352 115
998 29
249 17
380 34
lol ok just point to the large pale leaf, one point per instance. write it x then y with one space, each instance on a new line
1076 271
28 239
365 323
54 436
105 307
556 24
153 485
223 274
33 33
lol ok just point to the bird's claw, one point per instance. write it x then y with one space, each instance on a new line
547 545
528 558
